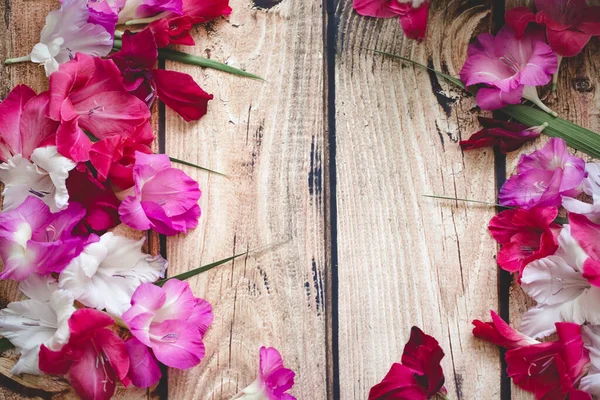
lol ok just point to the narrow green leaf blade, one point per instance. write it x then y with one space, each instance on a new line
466 200
449 78
199 270
5 344
189 164
195 60
576 136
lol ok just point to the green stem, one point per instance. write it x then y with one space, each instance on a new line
555 76
185 58
119 34
17 60
144 21
189 164
530 93
466 200
442 396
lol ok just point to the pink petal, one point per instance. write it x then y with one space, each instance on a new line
518 18
202 315
180 301
143 368
181 93
414 21
500 333
132 214
36 128
92 379
11 111
177 344
86 320
399 382
205 10
149 296
542 63
270 361
567 43
560 14
374 8
591 21
72 142
114 351
494 99
174 189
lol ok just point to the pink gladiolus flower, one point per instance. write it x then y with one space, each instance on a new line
543 177
507 136
510 67
273 380
93 359
412 13
419 377
171 321
33 240
143 367
99 201
88 93
500 333
164 198
137 60
550 370
569 23
525 236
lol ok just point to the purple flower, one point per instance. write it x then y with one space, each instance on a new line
543 177
33 240
164 198
510 67
171 321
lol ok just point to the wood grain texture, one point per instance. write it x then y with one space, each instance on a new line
575 100
268 137
403 259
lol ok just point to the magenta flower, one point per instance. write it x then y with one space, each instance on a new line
543 177
143 367
87 93
94 359
509 67
273 380
164 198
33 240
171 321
507 136
411 13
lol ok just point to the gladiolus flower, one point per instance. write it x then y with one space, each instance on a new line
543 177
137 59
143 367
107 272
569 23
88 93
550 369
172 31
33 240
41 319
562 292
273 380
412 13
507 136
164 198
68 30
591 187
587 234
525 236
171 321
99 201
510 67
93 359
420 375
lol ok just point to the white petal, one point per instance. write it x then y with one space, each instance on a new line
89 39
128 12
39 287
62 303
538 322
40 53
58 167
591 339
28 323
551 280
72 14
120 267
28 362
591 382
570 250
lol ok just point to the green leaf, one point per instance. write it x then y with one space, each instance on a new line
199 270
576 136
467 200
185 58
449 78
189 164
5 344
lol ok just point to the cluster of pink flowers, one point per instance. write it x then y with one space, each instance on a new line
76 161
556 261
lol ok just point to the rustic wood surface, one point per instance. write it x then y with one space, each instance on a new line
327 165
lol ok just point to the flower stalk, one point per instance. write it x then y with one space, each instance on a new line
17 60
555 76
530 93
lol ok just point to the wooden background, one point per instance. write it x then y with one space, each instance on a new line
327 165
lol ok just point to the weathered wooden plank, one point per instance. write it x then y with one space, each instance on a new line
268 137
403 259
575 101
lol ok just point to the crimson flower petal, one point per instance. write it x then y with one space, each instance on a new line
567 43
181 93
518 18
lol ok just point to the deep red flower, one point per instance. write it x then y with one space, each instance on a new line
525 236
100 203
137 59
420 375
87 95
550 370
507 136
93 359
500 333
172 31
569 23
205 10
